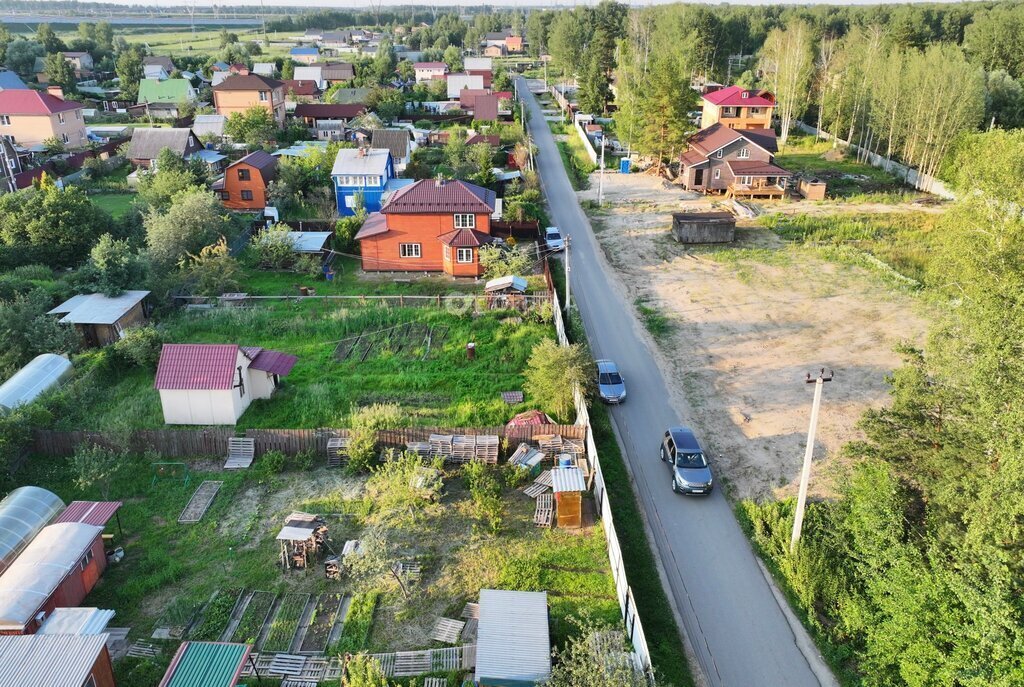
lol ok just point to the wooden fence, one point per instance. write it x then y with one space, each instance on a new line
183 443
460 304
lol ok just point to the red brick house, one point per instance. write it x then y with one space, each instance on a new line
734 162
430 226
244 184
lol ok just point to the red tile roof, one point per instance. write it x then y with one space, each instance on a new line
96 513
467 96
29 102
490 139
431 197
733 97
300 86
196 366
692 157
755 168
707 141
485 108
273 362
465 238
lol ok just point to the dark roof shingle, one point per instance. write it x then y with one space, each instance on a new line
146 143
395 140
429 196
247 82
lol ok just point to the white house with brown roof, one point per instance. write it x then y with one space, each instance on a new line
213 384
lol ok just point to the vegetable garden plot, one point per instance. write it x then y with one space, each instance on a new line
216 615
254 617
285 623
321 624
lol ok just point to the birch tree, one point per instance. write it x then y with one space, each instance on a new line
787 60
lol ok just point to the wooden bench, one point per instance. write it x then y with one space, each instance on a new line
240 453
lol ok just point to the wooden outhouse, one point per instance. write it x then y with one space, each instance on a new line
568 485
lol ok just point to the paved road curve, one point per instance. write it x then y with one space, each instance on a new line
732 618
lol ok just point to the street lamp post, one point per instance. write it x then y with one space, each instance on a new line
805 474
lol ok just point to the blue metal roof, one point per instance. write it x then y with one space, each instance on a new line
10 80
305 51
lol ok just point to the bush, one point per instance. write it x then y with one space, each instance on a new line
552 374
365 423
272 463
500 262
139 346
485 489
309 265
274 247
95 168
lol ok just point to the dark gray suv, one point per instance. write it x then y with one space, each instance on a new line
690 471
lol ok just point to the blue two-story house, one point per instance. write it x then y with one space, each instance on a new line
363 177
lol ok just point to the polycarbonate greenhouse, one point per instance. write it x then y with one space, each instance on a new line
23 514
42 372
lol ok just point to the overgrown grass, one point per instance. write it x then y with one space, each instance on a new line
663 636
431 379
574 156
357 623
900 246
117 204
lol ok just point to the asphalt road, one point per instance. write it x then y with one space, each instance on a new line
734 622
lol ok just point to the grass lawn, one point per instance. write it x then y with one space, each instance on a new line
177 40
847 178
117 204
170 569
436 386
902 242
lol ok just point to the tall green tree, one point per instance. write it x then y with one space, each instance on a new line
60 72
58 226
21 56
130 71
384 63
47 37
786 60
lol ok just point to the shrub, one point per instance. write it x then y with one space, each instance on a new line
274 247
310 266
365 422
271 463
499 262
485 489
554 372
139 346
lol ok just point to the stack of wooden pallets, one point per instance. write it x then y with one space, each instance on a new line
441 445
487 448
337 452
420 448
463 448
240 453
550 444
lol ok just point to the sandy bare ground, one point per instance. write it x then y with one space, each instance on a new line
747 328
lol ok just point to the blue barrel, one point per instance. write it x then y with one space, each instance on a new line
564 461
624 164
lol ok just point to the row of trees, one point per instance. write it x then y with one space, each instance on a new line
913 576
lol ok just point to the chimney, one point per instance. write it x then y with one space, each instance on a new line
56 92
439 181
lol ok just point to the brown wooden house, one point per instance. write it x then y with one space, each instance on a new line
244 184
734 162
101 319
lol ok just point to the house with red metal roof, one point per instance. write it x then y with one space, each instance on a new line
425 71
213 384
738 108
29 117
431 226
735 162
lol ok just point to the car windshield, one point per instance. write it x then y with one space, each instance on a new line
608 378
691 460
554 235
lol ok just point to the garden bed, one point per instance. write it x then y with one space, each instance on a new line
254 617
358 622
321 623
285 623
216 615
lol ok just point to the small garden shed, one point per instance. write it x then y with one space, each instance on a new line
213 384
703 227
206 664
56 661
513 644
101 319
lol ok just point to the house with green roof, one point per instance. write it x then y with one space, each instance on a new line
162 98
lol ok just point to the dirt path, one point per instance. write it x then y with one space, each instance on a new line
745 329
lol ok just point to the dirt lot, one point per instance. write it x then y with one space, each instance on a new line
747 325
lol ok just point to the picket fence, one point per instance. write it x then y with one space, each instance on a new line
624 593
184 443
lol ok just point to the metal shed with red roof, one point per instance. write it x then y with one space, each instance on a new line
213 384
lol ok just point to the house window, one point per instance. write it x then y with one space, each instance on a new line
465 221
65 138
718 174
755 110
78 114
5 120
243 174
191 141
263 96
86 560
743 154
11 164
225 195
745 180
718 154
246 195
410 250
464 255
447 253
60 117
746 94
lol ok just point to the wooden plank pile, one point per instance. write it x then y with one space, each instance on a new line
287 664
463 448
413 663
420 448
441 445
141 649
487 448
200 502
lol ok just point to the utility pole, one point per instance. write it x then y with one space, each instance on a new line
600 183
805 474
568 295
